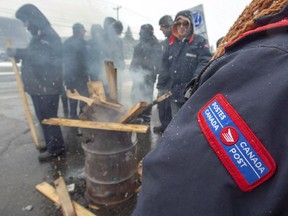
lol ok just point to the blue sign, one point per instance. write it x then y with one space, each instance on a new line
198 18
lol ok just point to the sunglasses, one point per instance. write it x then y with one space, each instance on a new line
184 24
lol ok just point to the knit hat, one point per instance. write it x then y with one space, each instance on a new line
166 21
77 27
146 31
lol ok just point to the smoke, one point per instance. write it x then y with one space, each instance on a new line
142 86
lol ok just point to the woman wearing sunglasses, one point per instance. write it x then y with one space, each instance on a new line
185 57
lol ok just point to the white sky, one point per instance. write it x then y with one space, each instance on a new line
219 14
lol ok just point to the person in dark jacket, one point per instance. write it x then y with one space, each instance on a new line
225 153
164 108
114 50
41 72
75 67
145 66
113 43
186 55
96 53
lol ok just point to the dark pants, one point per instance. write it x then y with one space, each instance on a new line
164 112
46 106
73 104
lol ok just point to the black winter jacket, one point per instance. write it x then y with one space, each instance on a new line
75 63
41 68
147 58
225 153
182 61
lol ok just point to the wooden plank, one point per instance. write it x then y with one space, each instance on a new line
64 197
97 125
102 102
111 76
49 191
77 96
133 112
24 99
140 107
162 97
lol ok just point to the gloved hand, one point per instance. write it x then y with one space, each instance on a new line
11 52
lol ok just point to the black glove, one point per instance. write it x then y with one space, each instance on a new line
191 87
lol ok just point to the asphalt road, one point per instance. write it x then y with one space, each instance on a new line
21 171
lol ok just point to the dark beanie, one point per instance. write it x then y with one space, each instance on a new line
147 28
77 27
166 21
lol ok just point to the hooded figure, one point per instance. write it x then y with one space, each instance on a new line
96 53
113 44
186 55
41 72
183 18
33 18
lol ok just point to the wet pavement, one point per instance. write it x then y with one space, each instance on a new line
21 171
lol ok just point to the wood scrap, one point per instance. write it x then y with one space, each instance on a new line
76 96
64 197
111 76
24 98
97 125
96 90
162 97
49 191
133 112
98 101
109 105
140 107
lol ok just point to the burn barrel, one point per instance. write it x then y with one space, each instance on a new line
110 166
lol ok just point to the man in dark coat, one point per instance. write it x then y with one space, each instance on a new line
225 153
185 57
113 43
164 108
114 50
75 67
145 65
41 72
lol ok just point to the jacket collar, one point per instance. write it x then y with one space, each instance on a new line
283 24
172 39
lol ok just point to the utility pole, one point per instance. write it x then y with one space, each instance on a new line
117 9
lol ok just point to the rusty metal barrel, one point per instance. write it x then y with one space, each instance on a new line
110 166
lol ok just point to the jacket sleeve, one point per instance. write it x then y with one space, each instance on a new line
184 156
204 56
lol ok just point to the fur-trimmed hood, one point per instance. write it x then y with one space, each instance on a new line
186 14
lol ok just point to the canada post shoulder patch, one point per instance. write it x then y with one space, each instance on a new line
238 148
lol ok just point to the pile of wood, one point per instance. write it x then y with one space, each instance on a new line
118 119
